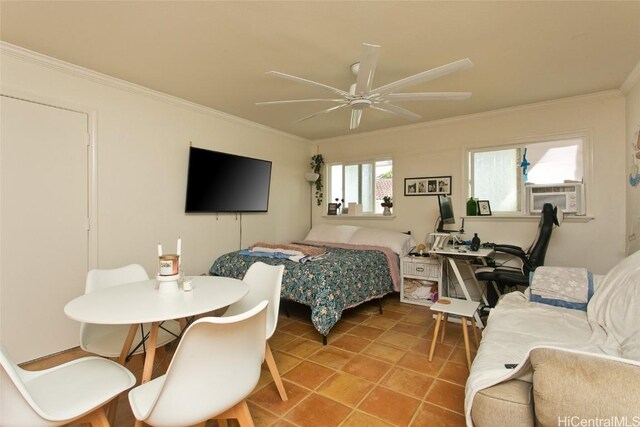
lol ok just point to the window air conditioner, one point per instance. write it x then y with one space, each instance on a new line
569 197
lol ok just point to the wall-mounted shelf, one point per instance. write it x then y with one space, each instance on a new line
360 217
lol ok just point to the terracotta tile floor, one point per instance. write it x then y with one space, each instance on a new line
373 372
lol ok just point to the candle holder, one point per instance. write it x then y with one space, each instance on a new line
169 270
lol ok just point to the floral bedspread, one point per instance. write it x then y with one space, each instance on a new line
343 279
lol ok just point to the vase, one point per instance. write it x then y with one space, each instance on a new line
387 211
472 207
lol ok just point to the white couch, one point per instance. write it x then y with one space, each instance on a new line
596 347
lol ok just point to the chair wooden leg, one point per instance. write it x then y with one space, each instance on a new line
475 331
465 334
273 368
435 336
138 423
96 418
240 412
444 327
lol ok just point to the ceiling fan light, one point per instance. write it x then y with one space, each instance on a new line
360 104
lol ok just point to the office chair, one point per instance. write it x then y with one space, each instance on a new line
505 276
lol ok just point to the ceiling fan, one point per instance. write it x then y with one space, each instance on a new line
361 95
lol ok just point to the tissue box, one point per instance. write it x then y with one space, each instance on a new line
355 208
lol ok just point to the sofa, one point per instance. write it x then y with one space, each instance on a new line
566 352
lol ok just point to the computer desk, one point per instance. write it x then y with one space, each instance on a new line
461 253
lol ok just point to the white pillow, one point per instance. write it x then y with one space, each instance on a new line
616 304
331 233
398 242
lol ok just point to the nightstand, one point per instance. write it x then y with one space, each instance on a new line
418 274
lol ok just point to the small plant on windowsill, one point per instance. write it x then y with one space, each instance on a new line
387 204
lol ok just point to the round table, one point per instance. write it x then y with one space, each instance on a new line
140 302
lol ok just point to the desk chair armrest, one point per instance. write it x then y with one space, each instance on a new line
512 250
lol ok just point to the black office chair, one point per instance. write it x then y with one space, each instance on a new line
505 276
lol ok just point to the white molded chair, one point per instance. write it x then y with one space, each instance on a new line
107 340
215 367
74 391
265 282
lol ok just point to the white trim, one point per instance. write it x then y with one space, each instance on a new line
357 217
474 116
94 76
632 79
92 153
526 218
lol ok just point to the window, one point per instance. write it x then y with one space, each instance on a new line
365 183
497 174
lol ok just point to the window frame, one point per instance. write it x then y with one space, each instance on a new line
359 163
587 165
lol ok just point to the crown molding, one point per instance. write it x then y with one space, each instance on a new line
469 117
632 79
45 61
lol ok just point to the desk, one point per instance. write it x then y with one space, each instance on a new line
467 256
140 302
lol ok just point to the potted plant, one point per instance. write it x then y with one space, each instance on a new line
317 164
387 204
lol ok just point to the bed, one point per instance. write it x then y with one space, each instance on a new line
359 264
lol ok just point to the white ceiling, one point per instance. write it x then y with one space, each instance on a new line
216 53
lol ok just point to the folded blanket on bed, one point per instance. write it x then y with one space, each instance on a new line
562 287
285 247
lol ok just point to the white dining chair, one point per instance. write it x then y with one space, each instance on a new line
107 340
215 367
76 391
265 282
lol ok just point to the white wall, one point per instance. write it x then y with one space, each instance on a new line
142 154
633 193
436 148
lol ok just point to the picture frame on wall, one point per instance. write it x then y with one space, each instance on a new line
484 208
427 186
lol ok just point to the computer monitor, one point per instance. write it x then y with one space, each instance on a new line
446 213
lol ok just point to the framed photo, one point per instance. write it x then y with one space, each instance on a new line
484 208
427 186
333 209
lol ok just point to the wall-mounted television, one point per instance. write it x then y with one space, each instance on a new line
222 182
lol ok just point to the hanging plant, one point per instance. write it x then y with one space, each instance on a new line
317 164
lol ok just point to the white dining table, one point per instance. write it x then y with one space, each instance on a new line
141 302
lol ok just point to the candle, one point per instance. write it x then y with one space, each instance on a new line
179 250
159 250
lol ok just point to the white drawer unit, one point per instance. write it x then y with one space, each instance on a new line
420 278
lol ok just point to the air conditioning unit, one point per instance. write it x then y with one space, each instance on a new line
567 196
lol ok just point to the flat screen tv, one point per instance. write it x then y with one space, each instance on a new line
222 182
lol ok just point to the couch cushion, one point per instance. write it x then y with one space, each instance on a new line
569 384
616 304
508 403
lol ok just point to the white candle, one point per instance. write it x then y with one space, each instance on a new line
159 250
179 251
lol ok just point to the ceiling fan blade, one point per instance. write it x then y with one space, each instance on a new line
356 115
390 108
367 68
427 96
424 76
309 82
291 101
328 110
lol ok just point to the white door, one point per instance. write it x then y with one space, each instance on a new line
43 225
